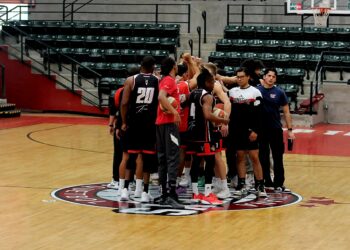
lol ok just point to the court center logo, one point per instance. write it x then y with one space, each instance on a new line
100 195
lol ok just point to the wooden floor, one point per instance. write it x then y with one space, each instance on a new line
37 159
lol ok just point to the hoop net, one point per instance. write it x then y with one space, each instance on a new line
321 16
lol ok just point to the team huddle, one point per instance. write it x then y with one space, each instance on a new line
181 121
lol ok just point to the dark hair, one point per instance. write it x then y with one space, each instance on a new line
267 70
243 69
252 65
219 64
167 65
133 70
181 69
148 63
203 77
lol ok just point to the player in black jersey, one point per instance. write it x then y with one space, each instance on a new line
245 125
138 111
201 134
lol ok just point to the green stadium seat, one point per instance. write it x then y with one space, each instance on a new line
112 55
111 29
76 41
263 32
283 60
159 55
137 42
278 32
224 45
96 55
92 41
295 33
340 46
128 55
232 58
305 47
118 70
121 42
81 54
268 59
140 54
248 32
232 31
255 45
290 46
126 29
169 43
152 43
107 42
320 46
272 45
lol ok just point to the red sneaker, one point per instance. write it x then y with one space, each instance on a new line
211 199
197 197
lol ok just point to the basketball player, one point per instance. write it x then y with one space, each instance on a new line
114 113
220 179
167 132
185 160
245 125
138 112
201 135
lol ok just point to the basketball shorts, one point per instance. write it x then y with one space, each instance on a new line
240 141
141 139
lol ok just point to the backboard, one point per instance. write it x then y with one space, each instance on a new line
338 7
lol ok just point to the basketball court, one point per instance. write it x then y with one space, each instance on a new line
54 174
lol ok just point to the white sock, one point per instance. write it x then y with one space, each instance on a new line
224 184
195 188
187 172
178 179
121 184
138 184
216 181
207 189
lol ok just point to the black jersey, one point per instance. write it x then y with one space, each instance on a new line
143 99
245 109
199 129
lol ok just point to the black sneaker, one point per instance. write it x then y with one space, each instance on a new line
169 201
282 189
261 191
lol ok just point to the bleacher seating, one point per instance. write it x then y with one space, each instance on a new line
295 50
105 48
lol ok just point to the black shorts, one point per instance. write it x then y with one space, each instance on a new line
141 139
183 140
240 141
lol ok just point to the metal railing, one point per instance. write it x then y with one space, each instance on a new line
119 12
61 79
318 77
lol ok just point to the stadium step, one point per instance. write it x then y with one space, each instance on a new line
8 110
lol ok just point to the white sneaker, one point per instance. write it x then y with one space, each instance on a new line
137 193
124 195
262 192
114 184
184 182
145 197
224 194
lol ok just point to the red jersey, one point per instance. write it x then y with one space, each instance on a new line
117 97
168 85
183 92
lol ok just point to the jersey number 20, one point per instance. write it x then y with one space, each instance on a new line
145 95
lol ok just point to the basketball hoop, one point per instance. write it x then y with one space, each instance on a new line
321 16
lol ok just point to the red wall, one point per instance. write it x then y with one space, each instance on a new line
37 92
